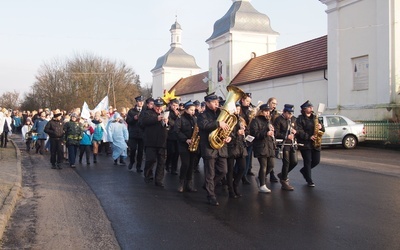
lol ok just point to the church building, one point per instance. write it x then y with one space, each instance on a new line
354 70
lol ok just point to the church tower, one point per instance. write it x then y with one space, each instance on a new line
241 34
174 65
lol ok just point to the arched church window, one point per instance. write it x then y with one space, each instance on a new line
219 67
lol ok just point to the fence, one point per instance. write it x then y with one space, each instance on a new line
385 131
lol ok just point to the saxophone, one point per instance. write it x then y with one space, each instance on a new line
217 137
317 133
195 139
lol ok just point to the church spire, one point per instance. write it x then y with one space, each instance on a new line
176 33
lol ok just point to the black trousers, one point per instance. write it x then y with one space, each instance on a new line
187 165
136 147
289 161
311 158
172 155
155 155
236 169
266 166
84 149
56 151
215 170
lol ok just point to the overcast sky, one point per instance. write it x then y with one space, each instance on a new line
135 32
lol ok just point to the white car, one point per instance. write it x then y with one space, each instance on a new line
340 130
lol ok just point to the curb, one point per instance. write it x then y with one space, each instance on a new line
11 200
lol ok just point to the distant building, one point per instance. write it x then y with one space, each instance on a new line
354 70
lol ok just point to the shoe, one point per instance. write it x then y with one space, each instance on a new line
159 184
213 201
286 186
87 163
174 173
272 178
121 162
139 170
115 162
181 185
310 184
53 167
73 166
190 187
236 191
264 189
233 195
59 166
130 165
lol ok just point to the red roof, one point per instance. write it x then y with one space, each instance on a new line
301 58
191 84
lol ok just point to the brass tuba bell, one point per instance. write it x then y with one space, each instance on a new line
217 137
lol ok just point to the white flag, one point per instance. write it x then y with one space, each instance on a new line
103 105
85 111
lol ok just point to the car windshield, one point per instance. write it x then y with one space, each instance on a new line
336 121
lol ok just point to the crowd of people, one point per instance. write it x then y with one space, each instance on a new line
161 134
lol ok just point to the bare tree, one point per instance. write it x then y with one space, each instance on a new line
10 100
84 78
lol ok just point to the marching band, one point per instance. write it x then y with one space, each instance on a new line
221 134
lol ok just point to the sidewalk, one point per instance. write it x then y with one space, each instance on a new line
10 182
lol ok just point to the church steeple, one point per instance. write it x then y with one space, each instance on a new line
176 33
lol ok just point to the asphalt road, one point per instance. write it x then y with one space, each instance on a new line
355 205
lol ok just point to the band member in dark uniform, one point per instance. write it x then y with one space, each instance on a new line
285 129
308 126
272 102
236 155
245 113
215 161
171 164
264 144
155 141
135 135
185 127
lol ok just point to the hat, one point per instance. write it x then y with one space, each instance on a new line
211 97
116 116
265 107
188 104
248 95
237 104
150 99
175 100
73 114
196 103
203 104
221 102
57 113
288 108
139 98
306 104
159 102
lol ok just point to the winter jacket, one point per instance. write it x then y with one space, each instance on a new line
184 127
135 131
263 145
55 129
305 129
207 122
39 126
73 133
155 133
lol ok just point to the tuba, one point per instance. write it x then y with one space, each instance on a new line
195 139
317 133
217 137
